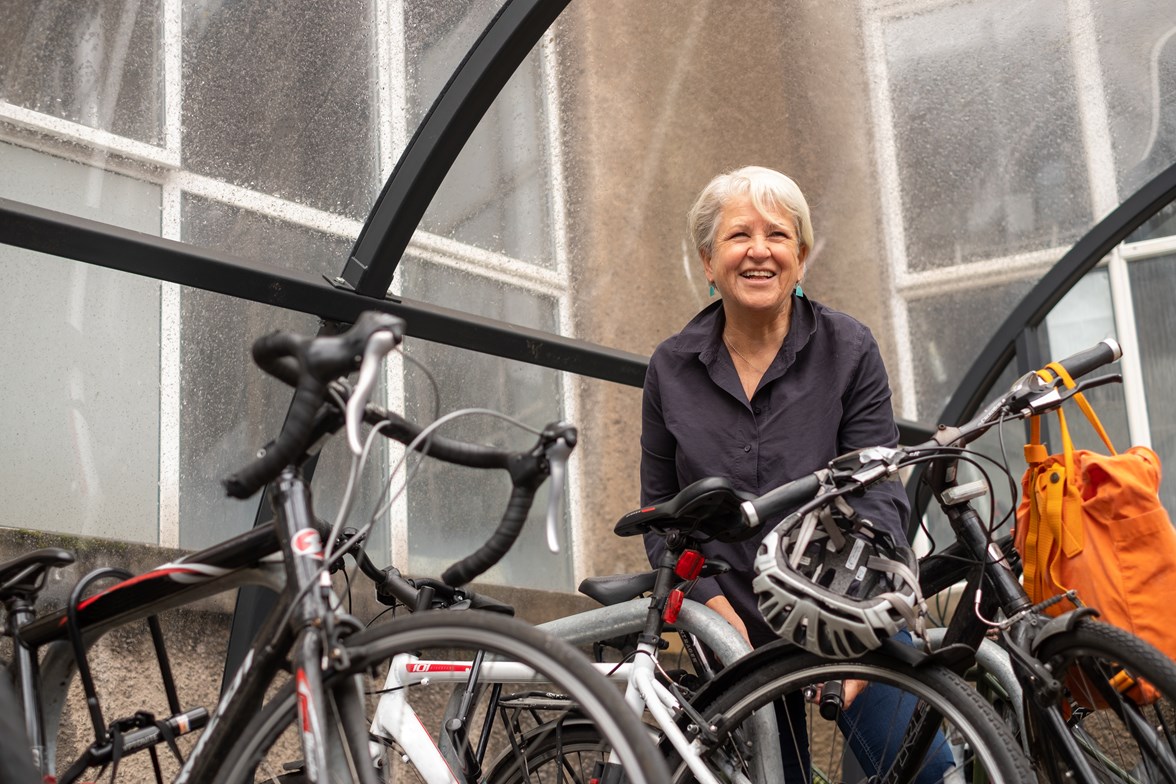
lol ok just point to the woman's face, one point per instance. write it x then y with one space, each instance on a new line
757 260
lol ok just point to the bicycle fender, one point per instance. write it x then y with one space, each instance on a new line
1062 623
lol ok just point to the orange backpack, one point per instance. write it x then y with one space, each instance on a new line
1094 524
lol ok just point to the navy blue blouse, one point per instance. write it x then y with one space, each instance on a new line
825 393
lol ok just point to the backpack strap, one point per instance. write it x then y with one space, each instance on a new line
1083 404
1055 503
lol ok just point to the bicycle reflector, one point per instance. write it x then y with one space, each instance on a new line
689 565
673 606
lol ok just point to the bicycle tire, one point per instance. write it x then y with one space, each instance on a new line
982 747
1127 742
593 697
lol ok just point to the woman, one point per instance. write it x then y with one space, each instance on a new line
763 386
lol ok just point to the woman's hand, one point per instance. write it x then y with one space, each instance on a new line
723 607
850 690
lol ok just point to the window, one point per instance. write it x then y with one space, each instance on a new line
265 131
1006 130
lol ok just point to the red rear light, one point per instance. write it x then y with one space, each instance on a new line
689 564
673 606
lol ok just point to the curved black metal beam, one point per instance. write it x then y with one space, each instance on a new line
1032 310
454 115
1056 283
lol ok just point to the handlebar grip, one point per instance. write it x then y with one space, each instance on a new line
780 500
292 442
465 570
1096 356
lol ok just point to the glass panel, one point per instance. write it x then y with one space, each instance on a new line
444 525
1153 287
498 195
97 64
1137 51
607 457
948 332
279 98
1083 317
438 33
983 98
230 407
655 101
1002 445
1162 224
81 385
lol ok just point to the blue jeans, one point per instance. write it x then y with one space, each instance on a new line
873 725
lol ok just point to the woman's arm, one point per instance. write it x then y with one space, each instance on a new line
868 420
659 474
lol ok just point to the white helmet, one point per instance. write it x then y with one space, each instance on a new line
834 584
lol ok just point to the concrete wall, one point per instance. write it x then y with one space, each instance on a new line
653 108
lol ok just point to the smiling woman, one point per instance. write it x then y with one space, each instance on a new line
761 388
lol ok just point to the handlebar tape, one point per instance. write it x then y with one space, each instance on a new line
784 498
275 354
504 537
439 447
290 444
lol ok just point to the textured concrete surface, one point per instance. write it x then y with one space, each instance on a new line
652 108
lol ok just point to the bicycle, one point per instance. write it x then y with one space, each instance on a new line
324 650
568 744
701 748
1055 669
1049 674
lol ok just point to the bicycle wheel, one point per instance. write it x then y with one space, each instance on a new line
552 753
1127 741
910 723
269 745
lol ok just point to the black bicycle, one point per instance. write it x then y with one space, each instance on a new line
324 703
1064 684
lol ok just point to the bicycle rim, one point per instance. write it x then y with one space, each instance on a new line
567 686
964 740
1122 739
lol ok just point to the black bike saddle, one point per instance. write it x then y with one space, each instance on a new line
705 510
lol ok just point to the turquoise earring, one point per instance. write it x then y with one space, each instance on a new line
712 289
799 290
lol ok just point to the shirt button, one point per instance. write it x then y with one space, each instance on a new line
756 409
747 448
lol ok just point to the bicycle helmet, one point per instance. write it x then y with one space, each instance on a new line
834 584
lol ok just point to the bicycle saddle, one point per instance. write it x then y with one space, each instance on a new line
22 575
704 510
616 588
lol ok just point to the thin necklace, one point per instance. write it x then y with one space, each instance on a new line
739 353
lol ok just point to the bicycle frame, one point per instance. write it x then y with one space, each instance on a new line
253 558
1017 670
396 721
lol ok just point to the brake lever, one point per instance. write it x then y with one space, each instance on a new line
557 451
377 348
1059 394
